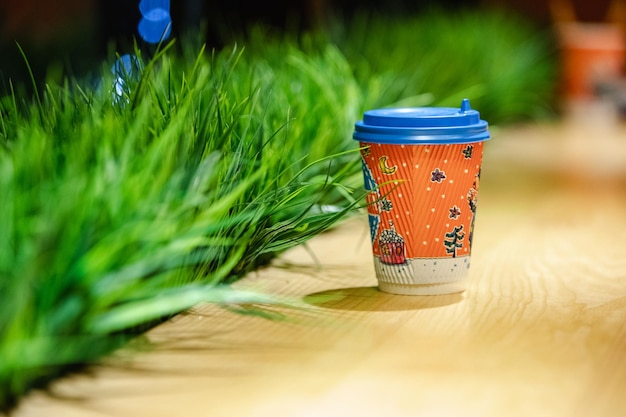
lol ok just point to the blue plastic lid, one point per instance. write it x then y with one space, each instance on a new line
422 125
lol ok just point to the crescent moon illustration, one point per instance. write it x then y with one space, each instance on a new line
385 169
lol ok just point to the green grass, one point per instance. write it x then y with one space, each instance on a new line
118 212
505 65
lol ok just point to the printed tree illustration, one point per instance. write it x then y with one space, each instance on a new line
454 240
472 199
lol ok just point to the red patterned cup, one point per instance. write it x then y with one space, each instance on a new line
422 169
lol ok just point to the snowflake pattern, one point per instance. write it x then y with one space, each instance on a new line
467 152
437 175
455 212
386 205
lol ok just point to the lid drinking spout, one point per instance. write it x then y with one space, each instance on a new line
465 105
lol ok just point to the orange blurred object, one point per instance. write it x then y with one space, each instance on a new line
591 53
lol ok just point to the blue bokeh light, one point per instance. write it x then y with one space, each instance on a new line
157 14
126 67
156 24
154 31
145 6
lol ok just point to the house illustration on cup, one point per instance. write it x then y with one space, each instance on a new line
392 246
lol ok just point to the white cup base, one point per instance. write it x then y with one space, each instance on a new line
422 289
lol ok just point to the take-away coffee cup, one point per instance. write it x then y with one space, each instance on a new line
421 169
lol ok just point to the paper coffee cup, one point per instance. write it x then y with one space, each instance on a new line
421 167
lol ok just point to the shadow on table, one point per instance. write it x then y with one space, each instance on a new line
372 299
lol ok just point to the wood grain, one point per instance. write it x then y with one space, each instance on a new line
540 331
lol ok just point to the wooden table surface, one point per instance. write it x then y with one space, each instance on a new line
540 331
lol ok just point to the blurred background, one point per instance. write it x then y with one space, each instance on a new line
71 35
62 38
